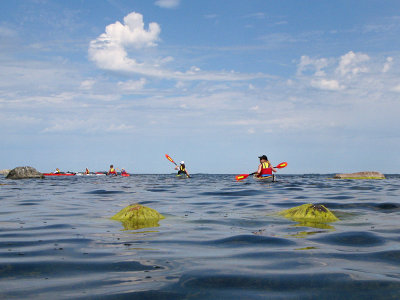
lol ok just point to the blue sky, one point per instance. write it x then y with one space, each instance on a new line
90 83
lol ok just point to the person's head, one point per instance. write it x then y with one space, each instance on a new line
263 158
111 166
182 162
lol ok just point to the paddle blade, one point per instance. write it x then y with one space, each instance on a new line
242 176
170 159
281 165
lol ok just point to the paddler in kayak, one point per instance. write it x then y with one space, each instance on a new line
112 171
87 171
182 169
265 168
57 171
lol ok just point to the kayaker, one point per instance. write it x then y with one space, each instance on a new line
182 169
265 168
57 171
112 171
123 171
87 171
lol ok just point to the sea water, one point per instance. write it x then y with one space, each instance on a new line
221 239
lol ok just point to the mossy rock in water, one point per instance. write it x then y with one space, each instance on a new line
136 216
315 213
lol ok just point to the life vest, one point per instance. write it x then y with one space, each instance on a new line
266 169
182 169
112 171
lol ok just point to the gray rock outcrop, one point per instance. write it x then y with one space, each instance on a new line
24 172
4 172
360 175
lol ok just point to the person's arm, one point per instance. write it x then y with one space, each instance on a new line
259 170
273 169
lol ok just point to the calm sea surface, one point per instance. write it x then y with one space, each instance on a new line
220 239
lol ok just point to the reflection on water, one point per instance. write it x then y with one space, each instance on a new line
220 239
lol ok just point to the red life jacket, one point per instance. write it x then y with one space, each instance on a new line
266 169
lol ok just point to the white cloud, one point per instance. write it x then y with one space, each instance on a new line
388 64
314 65
167 3
7 32
110 52
396 88
85 126
87 84
120 127
258 15
352 63
325 84
132 85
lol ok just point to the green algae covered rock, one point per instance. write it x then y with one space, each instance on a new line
136 216
309 213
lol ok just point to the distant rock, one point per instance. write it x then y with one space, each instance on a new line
24 172
360 175
4 172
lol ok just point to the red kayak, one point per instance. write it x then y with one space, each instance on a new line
59 174
125 174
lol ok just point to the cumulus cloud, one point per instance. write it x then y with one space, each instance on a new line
167 3
314 65
352 63
331 73
110 52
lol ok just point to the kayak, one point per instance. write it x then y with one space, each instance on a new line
90 174
181 176
270 178
125 174
59 174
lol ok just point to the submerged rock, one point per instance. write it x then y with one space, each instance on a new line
360 175
24 172
314 213
136 216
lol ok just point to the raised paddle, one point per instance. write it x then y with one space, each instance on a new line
170 159
244 176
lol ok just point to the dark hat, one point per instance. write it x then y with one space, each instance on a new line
263 157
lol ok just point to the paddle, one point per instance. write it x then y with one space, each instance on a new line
244 176
170 159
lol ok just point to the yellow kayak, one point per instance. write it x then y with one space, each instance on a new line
270 178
